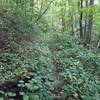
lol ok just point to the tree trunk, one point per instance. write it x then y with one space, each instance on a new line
70 14
63 19
90 24
85 27
80 4
63 24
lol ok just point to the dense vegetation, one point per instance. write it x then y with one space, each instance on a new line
49 50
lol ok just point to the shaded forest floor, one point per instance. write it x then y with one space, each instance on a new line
53 67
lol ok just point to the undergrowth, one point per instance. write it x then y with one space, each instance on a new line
60 67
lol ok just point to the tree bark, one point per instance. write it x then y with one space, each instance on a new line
85 28
81 19
63 18
90 24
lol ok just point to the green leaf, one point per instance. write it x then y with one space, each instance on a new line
26 97
22 93
11 94
1 98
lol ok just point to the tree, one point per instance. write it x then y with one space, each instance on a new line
90 23
80 4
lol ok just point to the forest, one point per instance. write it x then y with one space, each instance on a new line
49 49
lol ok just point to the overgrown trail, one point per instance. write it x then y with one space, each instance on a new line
58 86
49 49
57 74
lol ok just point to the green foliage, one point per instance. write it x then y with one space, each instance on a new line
50 59
20 17
78 79
78 69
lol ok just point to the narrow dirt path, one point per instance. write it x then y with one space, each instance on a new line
57 74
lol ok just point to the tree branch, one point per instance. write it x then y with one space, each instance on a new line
40 15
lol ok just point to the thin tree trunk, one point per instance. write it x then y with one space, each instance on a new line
71 17
85 28
63 24
81 19
41 14
90 24
72 22
63 19
32 8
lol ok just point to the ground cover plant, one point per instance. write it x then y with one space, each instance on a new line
49 52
